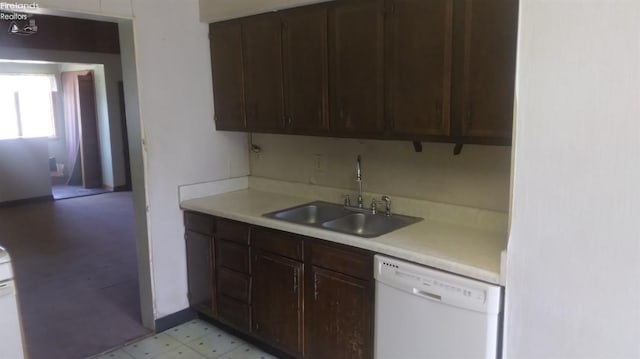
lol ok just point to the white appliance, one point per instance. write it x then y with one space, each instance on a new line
425 313
11 345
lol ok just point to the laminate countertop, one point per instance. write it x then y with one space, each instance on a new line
464 250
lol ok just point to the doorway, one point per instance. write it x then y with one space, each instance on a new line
141 250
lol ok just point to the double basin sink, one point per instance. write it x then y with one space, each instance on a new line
337 218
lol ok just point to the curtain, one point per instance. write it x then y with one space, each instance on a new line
71 118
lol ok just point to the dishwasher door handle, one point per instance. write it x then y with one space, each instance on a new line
425 294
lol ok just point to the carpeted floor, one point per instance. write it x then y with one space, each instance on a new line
64 191
75 269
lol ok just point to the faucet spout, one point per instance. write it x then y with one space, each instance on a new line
358 171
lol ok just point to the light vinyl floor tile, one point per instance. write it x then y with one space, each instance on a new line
247 352
181 352
118 354
214 345
152 346
192 330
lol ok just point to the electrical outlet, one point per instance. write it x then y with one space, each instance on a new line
319 162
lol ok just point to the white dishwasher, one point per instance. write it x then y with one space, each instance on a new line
11 344
425 313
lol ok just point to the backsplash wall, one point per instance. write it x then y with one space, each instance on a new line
478 177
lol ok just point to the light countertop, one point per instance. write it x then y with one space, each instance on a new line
464 250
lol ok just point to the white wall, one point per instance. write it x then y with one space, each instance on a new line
478 177
216 10
182 147
573 271
136 154
24 169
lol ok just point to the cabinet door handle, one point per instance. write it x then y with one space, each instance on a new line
252 112
341 106
320 118
315 286
439 114
295 281
469 115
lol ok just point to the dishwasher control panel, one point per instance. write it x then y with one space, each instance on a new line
436 285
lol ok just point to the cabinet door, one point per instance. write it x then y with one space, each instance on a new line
339 313
277 301
486 44
419 39
263 69
200 272
228 76
356 30
305 69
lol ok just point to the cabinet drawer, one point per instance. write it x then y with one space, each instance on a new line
353 262
199 222
234 313
282 243
235 285
232 231
233 256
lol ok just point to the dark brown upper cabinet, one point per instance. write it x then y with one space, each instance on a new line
438 70
356 67
304 38
263 73
419 40
228 75
485 58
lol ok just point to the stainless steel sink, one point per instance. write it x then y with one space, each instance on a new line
311 213
336 218
369 225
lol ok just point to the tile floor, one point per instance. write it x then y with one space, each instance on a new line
195 339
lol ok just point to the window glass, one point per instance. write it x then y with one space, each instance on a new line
36 115
8 118
26 109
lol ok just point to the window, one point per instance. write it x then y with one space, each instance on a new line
26 106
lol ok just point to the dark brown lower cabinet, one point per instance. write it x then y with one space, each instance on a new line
338 307
200 253
199 271
277 298
232 270
304 297
234 313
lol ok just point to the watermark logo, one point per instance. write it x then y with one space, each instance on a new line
22 23
28 29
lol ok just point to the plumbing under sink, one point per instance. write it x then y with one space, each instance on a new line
339 219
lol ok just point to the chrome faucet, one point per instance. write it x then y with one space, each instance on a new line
373 209
387 205
359 181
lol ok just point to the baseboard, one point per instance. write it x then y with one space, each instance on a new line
19 202
174 319
122 188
